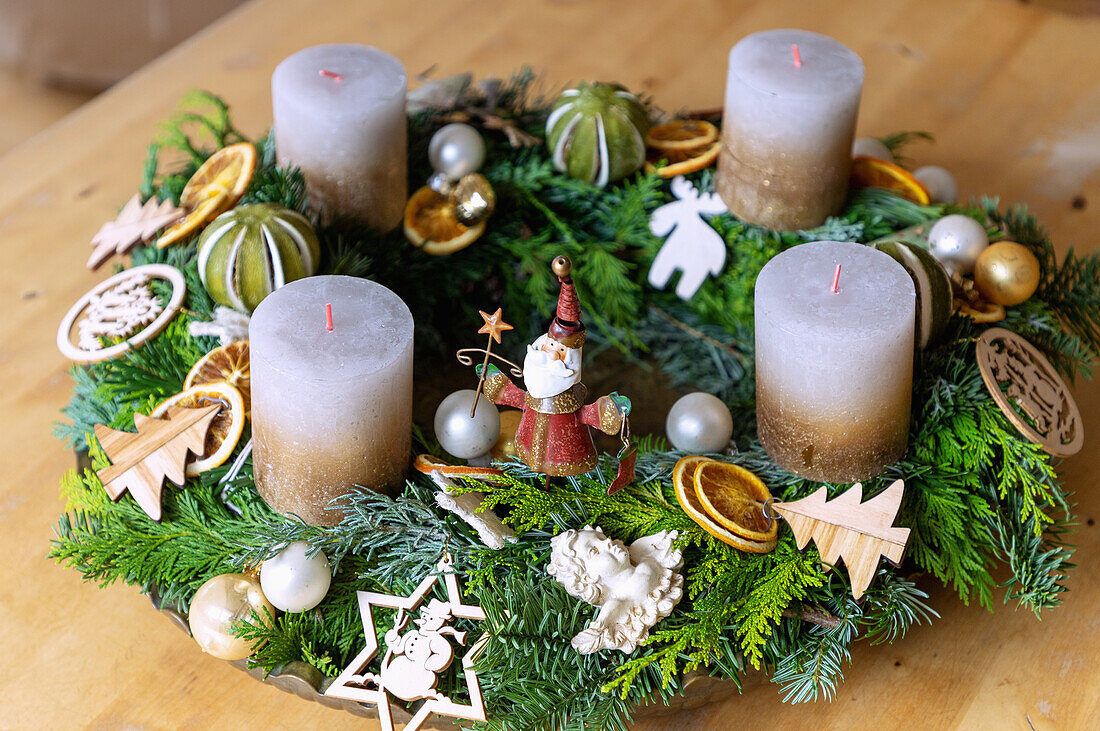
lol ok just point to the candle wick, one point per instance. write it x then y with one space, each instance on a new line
331 75
328 317
797 56
836 280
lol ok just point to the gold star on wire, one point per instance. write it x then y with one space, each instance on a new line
494 324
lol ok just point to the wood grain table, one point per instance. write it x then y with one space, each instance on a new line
1011 91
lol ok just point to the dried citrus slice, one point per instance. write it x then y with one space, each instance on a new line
683 480
681 134
682 162
870 172
214 188
227 364
431 226
734 498
980 311
224 431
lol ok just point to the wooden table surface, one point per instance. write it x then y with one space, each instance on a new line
1011 91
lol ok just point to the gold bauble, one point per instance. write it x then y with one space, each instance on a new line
1006 273
474 199
505 448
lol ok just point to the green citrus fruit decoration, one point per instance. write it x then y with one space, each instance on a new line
248 252
596 133
935 301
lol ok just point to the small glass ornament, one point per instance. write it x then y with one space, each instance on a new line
1007 273
699 423
940 183
871 147
461 434
221 604
474 199
456 150
957 241
294 580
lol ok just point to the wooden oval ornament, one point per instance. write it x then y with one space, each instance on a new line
1031 383
121 305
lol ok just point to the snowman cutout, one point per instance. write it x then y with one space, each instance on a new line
413 660
693 246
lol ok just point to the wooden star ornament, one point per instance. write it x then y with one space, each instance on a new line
414 657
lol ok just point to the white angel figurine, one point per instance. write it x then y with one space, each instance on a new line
634 588
693 246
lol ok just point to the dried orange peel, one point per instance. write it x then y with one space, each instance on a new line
431 225
682 162
981 311
227 364
214 188
427 464
681 134
871 172
224 431
684 479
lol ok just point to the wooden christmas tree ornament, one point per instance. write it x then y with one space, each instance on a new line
136 224
846 528
141 461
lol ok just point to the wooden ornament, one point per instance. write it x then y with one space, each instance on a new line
414 658
846 528
1015 372
693 246
121 306
141 461
467 506
136 223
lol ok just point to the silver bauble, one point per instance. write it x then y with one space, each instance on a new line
940 183
699 423
462 436
872 148
456 149
293 582
218 606
957 241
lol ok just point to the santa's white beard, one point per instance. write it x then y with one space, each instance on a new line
545 376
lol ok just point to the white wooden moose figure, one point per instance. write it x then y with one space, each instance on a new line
693 246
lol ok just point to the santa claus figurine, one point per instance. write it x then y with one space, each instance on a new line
553 436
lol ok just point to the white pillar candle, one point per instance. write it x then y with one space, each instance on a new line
330 409
787 128
834 370
340 116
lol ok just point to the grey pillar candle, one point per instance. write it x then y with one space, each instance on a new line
330 409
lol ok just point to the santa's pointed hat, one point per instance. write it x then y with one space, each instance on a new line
566 327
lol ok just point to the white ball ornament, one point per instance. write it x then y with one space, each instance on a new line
456 150
940 183
220 605
699 423
462 436
872 148
957 241
293 581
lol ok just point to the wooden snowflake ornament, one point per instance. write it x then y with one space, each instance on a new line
141 461
136 224
846 528
122 306
414 658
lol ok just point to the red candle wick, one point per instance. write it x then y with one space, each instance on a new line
328 317
836 281
797 56
335 77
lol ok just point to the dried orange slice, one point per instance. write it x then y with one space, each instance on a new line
431 226
734 498
227 364
683 481
681 134
682 162
214 188
224 431
981 311
871 172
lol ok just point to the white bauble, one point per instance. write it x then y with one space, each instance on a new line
218 606
699 423
294 583
940 183
872 148
456 150
957 241
461 435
